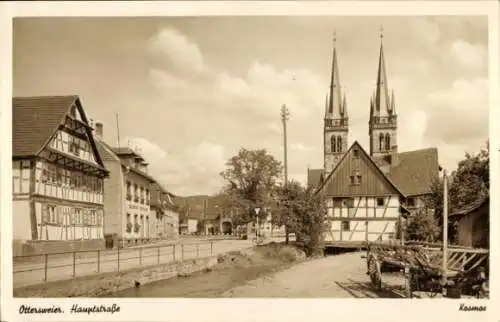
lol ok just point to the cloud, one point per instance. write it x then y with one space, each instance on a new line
243 109
164 79
425 30
458 118
469 55
193 170
302 147
174 45
149 150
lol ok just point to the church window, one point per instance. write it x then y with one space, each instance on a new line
387 142
333 144
339 144
381 142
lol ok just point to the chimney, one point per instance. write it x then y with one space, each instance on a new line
99 130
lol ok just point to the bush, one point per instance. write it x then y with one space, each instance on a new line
288 253
422 226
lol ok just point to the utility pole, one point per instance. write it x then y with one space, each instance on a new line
205 216
285 114
445 228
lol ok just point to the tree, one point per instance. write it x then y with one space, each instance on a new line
304 213
252 177
468 183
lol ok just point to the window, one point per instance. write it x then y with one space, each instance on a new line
333 144
411 202
339 144
355 178
345 225
387 142
380 201
355 153
348 202
381 142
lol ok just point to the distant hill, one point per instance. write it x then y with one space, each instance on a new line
195 204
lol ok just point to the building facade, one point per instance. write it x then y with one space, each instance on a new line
367 193
127 193
164 213
58 176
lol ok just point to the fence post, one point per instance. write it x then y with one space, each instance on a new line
118 253
211 248
158 254
182 252
74 264
140 256
173 246
98 261
46 266
197 250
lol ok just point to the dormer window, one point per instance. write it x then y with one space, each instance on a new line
355 178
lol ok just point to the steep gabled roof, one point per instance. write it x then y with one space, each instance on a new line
36 119
313 177
480 202
415 171
413 174
370 160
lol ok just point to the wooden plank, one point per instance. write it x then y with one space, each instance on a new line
457 260
364 219
479 261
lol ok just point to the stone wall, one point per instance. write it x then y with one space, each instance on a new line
39 247
109 283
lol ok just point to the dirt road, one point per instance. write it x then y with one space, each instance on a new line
339 276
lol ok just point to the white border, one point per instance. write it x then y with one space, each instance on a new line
245 309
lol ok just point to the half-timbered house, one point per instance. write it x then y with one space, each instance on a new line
367 192
58 176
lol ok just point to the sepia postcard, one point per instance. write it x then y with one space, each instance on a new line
249 161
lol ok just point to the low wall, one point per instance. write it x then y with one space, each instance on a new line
109 283
38 247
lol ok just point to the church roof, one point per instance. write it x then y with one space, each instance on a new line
313 177
415 171
413 174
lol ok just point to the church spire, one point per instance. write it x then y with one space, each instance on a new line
382 103
335 103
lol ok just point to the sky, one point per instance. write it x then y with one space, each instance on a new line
191 91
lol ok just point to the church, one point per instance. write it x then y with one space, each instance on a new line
369 190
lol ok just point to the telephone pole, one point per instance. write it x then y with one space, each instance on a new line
285 114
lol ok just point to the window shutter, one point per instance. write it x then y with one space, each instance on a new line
45 214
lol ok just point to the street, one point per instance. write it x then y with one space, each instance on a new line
69 265
340 276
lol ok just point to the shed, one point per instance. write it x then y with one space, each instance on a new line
472 223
